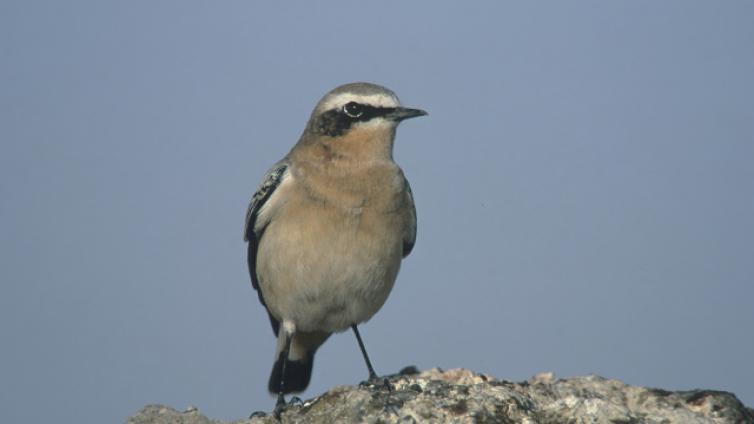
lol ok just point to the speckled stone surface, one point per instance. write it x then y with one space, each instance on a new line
462 396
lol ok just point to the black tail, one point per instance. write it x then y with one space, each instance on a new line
297 375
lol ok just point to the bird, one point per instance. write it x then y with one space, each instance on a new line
328 227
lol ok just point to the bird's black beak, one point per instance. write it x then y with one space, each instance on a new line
400 113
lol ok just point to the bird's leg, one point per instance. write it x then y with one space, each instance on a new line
372 374
373 379
280 404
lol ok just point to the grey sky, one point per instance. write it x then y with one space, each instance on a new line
584 186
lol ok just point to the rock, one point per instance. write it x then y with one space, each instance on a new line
462 396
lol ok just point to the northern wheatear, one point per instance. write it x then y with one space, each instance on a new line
328 227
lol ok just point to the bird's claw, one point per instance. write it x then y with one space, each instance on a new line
378 383
278 410
295 400
258 414
281 405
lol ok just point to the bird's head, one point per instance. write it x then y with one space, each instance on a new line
357 121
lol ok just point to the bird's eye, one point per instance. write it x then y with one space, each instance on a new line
353 109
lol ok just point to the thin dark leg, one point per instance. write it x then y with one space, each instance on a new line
372 374
281 398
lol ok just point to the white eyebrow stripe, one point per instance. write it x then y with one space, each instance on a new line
379 100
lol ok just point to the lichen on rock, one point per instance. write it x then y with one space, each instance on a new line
462 396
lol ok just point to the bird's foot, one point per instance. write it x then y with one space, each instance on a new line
280 406
258 414
278 411
377 382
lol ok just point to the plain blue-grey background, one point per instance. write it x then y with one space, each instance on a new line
584 185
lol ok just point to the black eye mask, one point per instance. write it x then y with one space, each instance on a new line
336 122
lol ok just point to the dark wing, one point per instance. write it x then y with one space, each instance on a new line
409 237
251 234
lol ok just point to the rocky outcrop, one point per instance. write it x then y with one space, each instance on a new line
462 396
